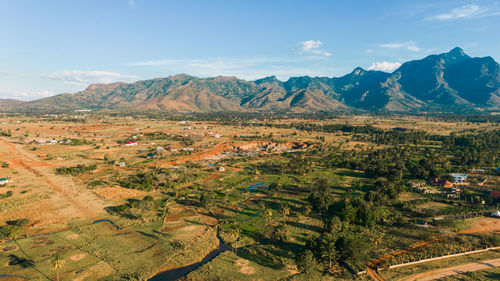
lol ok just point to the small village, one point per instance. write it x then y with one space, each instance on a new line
259 186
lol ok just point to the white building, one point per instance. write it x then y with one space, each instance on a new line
496 214
459 178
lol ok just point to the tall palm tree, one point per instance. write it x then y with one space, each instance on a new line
56 263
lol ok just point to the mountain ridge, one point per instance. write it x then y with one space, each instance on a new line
447 82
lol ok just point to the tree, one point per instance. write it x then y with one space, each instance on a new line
352 248
268 217
319 197
334 225
206 198
327 248
56 263
284 210
298 165
273 188
232 234
280 233
305 262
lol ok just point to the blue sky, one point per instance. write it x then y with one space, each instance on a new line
50 47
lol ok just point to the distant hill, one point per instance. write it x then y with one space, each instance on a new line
448 82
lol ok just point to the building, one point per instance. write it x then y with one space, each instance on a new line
4 181
496 214
221 169
442 183
130 143
459 178
477 171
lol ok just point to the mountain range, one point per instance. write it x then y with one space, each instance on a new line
448 82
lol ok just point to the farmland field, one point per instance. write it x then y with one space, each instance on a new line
121 197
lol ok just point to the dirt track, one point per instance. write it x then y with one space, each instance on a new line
443 272
83 203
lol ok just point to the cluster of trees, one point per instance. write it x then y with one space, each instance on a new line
394 136
328 128
147 181
298 165
399 162
474 150
154 178
74 171
76 142
12 228
6 195
350 224
7 133
157 135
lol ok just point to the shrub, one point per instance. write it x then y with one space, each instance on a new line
6 195
9 231
74 171
19 222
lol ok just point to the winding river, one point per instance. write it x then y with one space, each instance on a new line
175 274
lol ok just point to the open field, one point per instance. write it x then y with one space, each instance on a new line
126 198
420 271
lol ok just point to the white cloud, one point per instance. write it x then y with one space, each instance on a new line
82 78
313 47
131 3
384 66
26 95
368 51
469 11
409 45
245 68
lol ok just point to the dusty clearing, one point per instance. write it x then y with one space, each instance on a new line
484 225
440 273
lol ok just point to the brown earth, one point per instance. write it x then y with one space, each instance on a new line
484 225
443 272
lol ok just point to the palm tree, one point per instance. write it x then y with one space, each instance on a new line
56 263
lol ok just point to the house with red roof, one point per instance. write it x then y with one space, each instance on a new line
130 143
